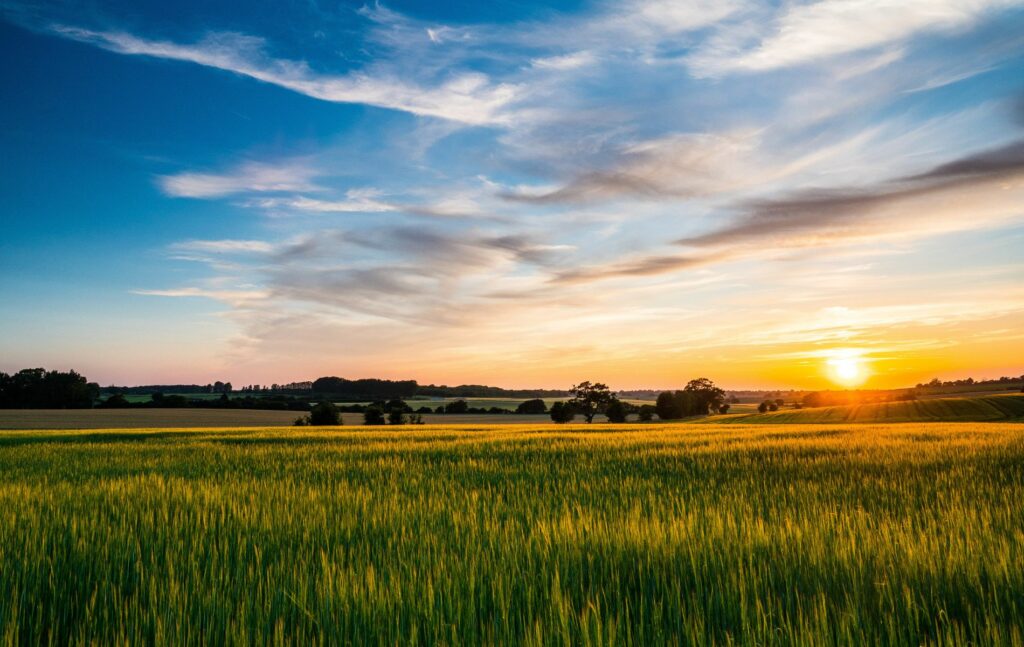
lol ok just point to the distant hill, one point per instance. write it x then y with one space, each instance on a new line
980 409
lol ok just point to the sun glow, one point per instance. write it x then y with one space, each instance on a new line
847 368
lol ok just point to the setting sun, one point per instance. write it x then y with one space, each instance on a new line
847 368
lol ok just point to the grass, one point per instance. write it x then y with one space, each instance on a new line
675 534
980 409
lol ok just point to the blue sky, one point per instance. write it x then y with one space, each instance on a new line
513 193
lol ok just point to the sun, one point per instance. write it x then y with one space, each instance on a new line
847 368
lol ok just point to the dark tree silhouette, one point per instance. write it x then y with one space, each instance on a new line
615 411
535 406
373 416
562 412
458 406
324 414
709 396
646 412
396 417
590 399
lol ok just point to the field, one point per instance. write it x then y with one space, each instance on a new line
672 534
977 409
178 418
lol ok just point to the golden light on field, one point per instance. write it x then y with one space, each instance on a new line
847 368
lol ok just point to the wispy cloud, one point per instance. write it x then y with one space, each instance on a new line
249 177
467 97
224 246
989 186
808 33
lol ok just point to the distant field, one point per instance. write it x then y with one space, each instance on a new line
980 409
178 418
672 534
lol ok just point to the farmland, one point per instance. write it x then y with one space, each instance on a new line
977 409
677 533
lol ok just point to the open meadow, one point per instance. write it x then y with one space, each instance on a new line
671 534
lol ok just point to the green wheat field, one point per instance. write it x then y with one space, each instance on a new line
841 534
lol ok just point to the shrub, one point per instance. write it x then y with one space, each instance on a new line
562 412
615 411
373 416
324 414
535 406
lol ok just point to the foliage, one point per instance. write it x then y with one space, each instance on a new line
616 411
458 406
373 416
535 406
396 417
709 397
324 414
681 404
645 412
562 412
37 388
590 399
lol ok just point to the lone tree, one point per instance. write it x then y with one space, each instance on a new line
590 399
709 396
562 412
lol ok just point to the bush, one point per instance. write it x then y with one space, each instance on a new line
646 412
535 406
459 406
373 416
396 417
615 412
324 414
562 412
724 407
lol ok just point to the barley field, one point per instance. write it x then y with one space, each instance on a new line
573 535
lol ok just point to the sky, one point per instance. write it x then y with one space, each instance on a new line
769 194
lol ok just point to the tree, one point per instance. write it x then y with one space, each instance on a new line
562 412
666 406
780 402
535 406
373 416
116 401
590 399
646 412
815 399
324 414
724 408
458 406
396 417
709 396
615 411
763 407
772 406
